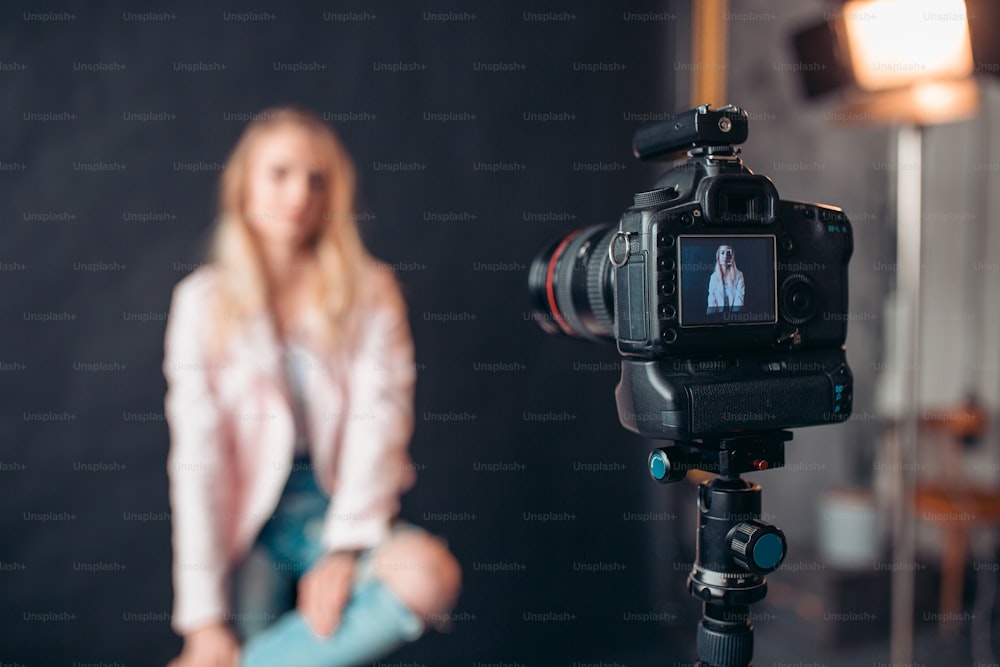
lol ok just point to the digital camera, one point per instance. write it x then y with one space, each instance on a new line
727 303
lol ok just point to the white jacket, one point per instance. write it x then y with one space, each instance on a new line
721 295
232 435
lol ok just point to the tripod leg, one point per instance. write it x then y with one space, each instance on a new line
725 636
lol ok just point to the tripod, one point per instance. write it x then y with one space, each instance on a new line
734 548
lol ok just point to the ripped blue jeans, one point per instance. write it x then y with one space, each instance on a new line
374 621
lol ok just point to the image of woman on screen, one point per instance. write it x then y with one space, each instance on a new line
726 288
290 385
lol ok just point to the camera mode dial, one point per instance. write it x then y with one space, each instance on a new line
654 197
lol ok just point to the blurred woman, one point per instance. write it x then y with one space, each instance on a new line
725 288
290 374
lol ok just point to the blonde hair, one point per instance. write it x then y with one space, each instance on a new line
727 276
340 256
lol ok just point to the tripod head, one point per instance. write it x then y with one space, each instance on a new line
735 549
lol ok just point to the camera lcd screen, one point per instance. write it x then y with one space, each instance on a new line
727 280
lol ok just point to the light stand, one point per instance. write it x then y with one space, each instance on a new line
898 64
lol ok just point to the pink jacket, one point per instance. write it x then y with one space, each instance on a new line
232 435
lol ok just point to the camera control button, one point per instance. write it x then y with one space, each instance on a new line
786 244
668 312
668 336
799 299
687 219
665 240
667 288
664 263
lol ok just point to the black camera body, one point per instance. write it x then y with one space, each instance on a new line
728 304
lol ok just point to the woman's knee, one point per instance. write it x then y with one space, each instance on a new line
421 571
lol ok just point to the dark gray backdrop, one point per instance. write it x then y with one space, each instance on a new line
479 135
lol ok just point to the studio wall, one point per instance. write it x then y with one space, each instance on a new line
479 136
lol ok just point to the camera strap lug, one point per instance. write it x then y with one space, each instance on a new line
618 252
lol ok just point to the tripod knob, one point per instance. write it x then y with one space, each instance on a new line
667 465
758 547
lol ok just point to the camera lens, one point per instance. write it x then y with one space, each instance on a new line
799 299
572 285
